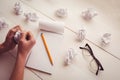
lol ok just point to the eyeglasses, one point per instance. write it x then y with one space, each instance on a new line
94 65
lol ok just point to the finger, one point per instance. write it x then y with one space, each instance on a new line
23 35
31 38
30 35
11 34
18 27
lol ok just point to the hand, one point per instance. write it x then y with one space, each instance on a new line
9 42
25 44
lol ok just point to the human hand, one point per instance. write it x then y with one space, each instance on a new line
9 41
25 44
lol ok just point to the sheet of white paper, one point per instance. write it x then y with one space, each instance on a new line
38 58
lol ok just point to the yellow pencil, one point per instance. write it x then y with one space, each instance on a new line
46 47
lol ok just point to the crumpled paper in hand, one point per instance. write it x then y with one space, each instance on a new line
17 37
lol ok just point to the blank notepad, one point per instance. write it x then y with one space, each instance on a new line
38 59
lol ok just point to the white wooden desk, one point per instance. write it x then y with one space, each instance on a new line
107 21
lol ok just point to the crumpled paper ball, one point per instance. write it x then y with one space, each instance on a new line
18 8
3 24
61 12
31 17
89 13
70 56
106 38
81 34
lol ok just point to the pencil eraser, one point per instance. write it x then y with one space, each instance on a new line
52 26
